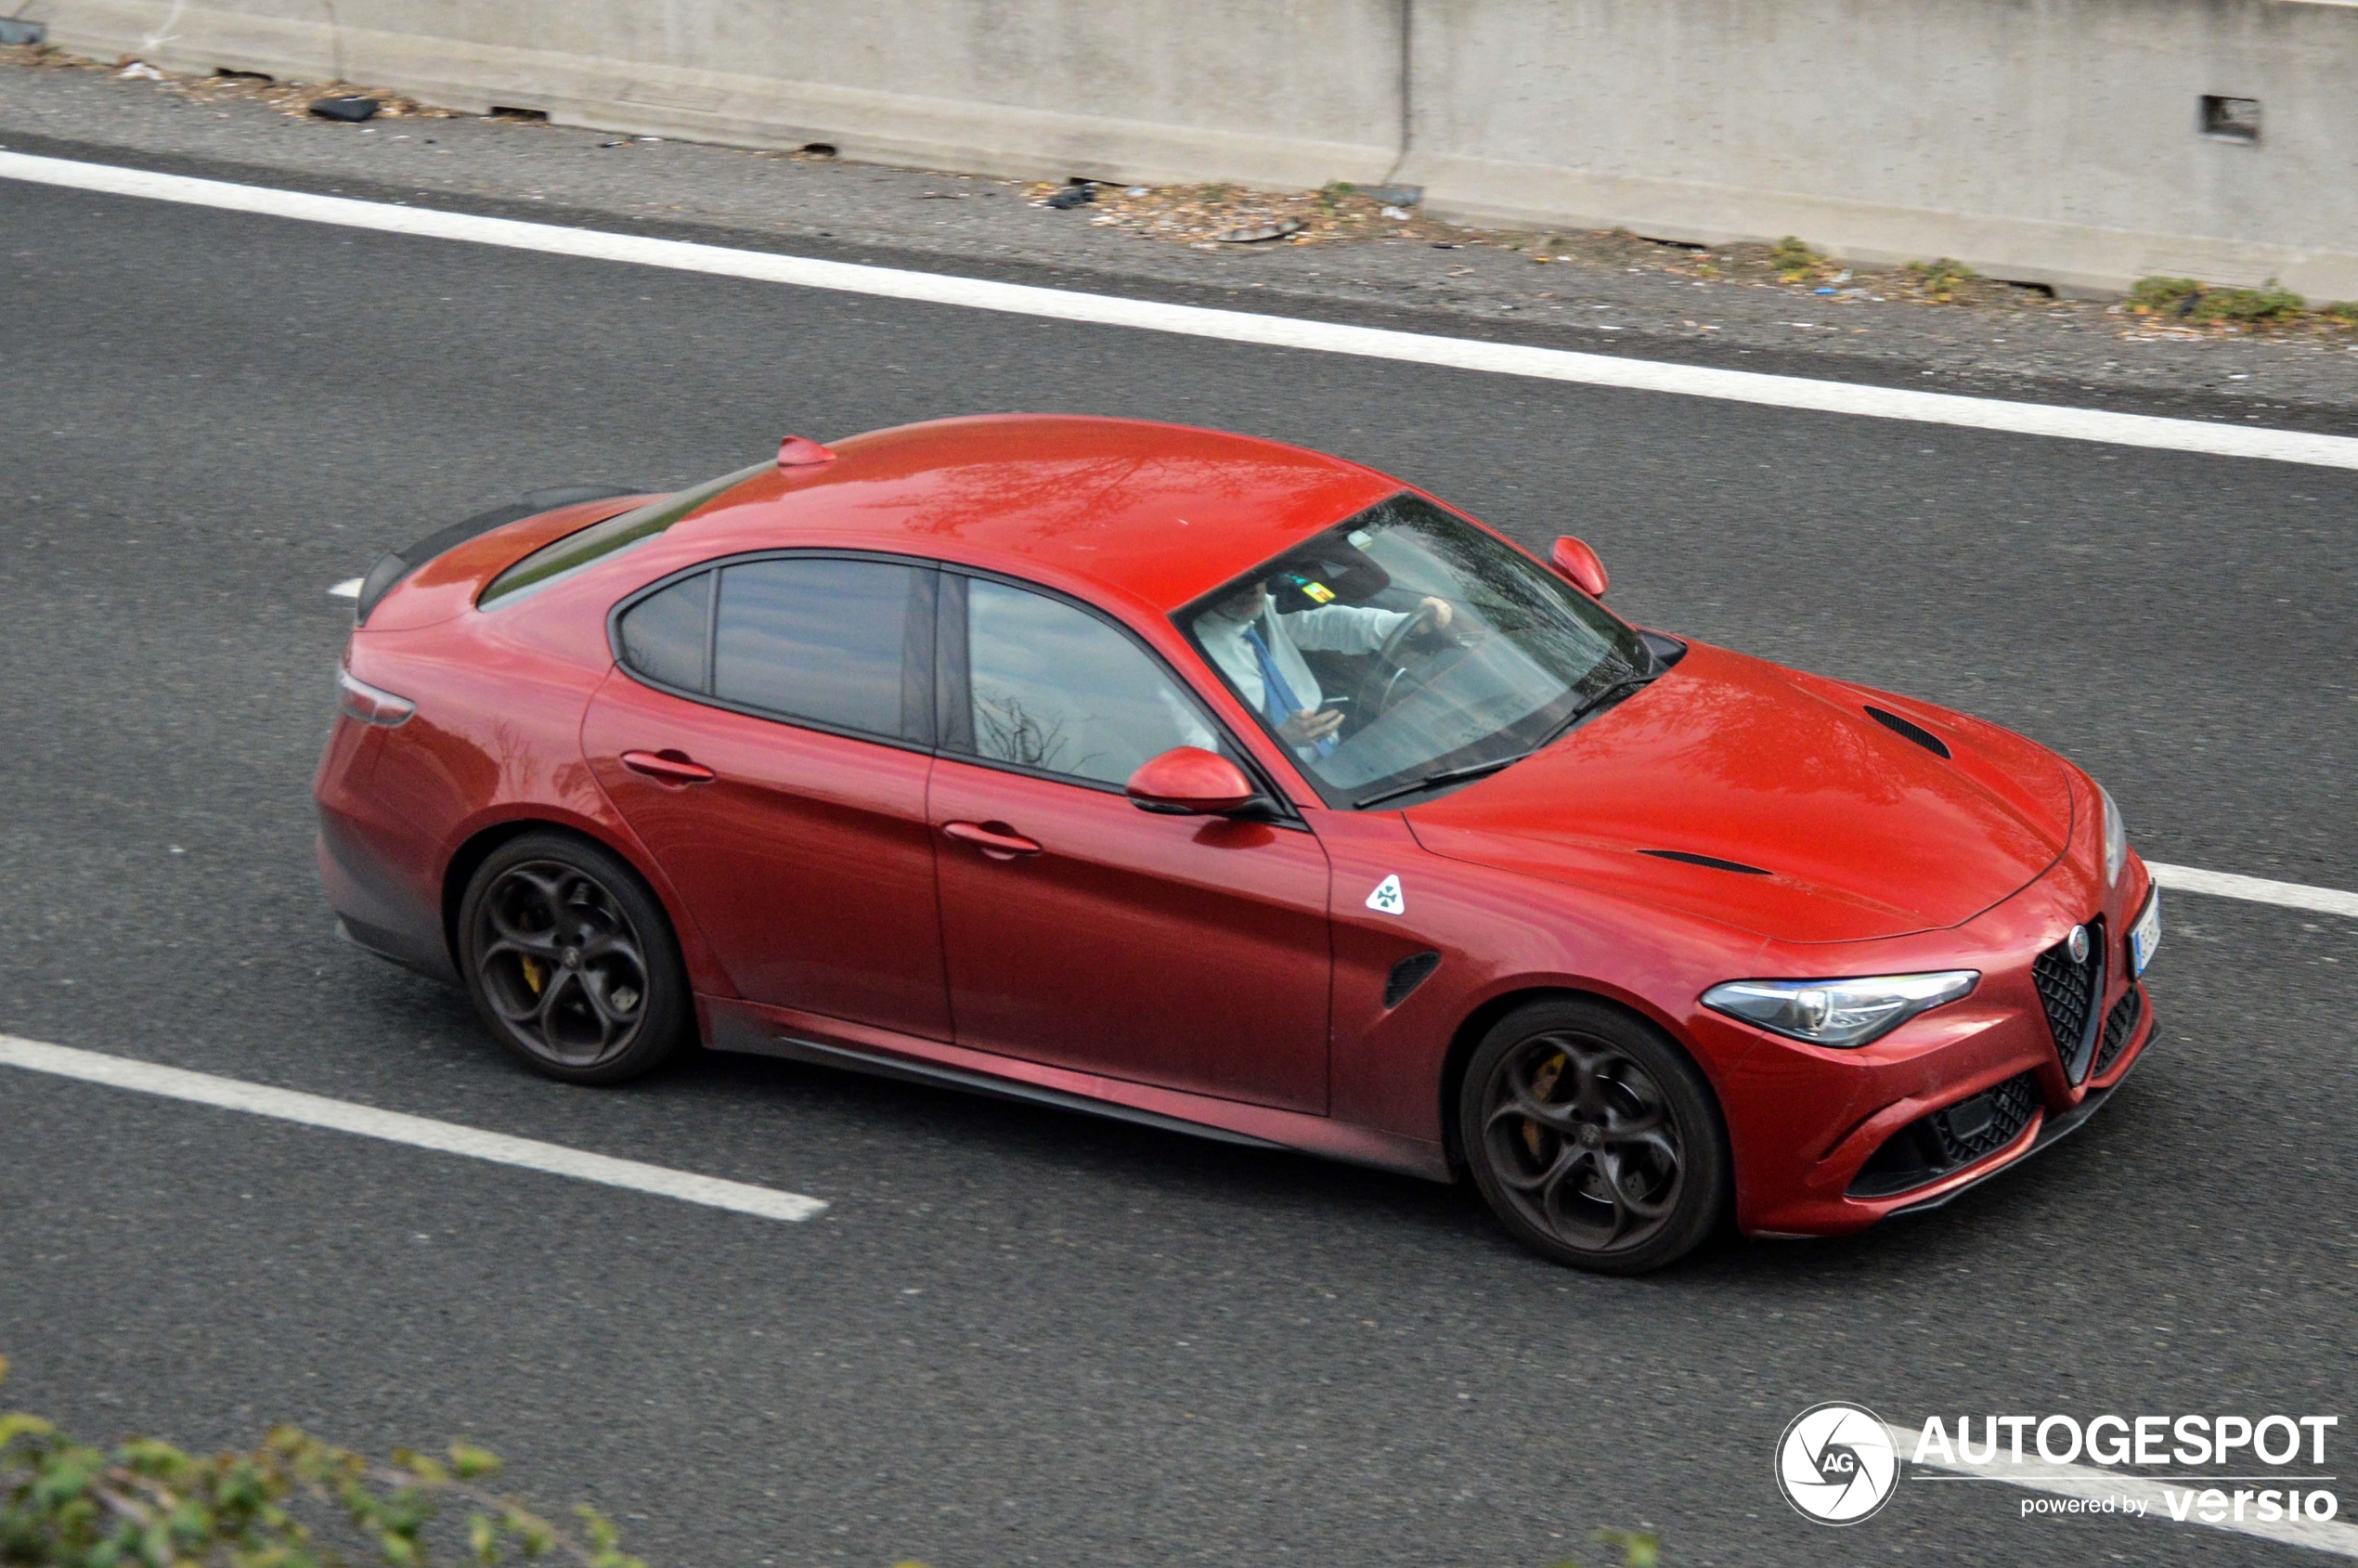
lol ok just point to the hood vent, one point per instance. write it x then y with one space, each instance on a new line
1915 733
1713 862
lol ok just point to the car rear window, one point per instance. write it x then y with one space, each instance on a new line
552 563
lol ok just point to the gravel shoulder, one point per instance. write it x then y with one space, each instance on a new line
1610 292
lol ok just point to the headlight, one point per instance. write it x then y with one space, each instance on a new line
1838 1012
2116 839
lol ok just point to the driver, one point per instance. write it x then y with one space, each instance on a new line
1260 652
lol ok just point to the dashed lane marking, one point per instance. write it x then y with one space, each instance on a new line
2255 889
392 1126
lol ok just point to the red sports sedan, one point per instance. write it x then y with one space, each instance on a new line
1234 789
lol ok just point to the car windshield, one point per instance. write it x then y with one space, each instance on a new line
1407 643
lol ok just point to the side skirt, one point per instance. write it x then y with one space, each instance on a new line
748 1029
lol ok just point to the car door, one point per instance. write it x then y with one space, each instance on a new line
768 737
1190 953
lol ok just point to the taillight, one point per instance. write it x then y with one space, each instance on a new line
360 700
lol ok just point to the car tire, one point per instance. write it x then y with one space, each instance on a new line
1592 1137
571 960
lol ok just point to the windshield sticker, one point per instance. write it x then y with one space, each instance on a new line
1319 592
1387 898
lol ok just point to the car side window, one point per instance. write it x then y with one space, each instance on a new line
1052 688
836 642
822 638
667 637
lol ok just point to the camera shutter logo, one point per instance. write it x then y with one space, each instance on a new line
1835 1463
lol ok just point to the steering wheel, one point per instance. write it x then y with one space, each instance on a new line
1380 688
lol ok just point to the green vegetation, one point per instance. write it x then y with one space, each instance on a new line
64 1504
2188 300
2153 295
147 1505
1941 279
1794 261
1638 1548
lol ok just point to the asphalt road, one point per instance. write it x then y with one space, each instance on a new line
1020 1336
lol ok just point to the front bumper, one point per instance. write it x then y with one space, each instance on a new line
1828 1142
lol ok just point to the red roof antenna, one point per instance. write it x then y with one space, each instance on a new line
799 451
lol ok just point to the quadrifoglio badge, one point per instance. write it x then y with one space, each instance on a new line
1837 1464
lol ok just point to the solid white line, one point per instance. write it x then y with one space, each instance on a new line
349 589
2257 890
341 1116
2035 1474
1233 326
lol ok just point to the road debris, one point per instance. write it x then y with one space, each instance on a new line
349 109
1252 234
1072 196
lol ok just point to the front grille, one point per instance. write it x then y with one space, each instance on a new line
2068 992
2120 1027
1931 1147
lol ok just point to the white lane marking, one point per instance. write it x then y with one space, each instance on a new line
2035 1474
341 1116
349 589
1234 326
2256 890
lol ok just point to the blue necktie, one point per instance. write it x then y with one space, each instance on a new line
1275 695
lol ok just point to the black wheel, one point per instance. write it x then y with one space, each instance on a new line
1592 1137
571 962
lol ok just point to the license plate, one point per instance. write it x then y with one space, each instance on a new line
2145 935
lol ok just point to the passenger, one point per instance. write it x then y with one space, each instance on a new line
1260 652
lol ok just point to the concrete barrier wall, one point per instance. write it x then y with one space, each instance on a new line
2054 140
1280 92
2046 140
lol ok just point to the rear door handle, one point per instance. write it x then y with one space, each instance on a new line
666 767
997 839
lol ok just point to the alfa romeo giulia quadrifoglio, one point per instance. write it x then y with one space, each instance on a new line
1232 789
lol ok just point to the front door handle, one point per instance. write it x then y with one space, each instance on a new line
996 840
666 767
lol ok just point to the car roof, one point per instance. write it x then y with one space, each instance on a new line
1159 513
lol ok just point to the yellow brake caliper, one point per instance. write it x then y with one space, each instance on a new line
1543 1082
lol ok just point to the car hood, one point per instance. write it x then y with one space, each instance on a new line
1861 832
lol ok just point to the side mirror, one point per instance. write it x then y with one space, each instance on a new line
1189 781
1578 562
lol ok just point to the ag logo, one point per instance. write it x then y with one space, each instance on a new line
1835 1463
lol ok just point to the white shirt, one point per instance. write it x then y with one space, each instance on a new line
1334 629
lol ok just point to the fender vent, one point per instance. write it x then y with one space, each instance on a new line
1407 976
1915 733
1714 861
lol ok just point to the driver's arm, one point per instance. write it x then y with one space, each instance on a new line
1351 628
1342 629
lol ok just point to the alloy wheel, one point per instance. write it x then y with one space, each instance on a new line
1583 1143
559 963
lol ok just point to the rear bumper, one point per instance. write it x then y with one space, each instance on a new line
368 861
